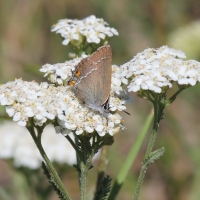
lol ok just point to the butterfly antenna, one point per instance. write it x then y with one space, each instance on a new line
126 112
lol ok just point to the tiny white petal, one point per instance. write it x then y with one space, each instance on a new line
78 132
17 116
22 123
10 110
89 129
99 128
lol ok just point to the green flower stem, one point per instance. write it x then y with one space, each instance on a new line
84 162
73 144
83 180
159 106
130 158
84 168
37 140
78 156
154 131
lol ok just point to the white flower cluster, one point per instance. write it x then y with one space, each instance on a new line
24 100
60 73
43 103
91 28
17 143
156 69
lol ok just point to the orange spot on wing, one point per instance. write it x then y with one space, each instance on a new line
78 73
71 83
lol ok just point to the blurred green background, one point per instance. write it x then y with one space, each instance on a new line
26 44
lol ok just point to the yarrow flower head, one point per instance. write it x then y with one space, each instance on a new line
43 103
90 29
156 69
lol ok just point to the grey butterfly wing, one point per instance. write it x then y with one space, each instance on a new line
95 81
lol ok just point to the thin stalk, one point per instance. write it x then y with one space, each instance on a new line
73 144
37 140
158 112
173 97
78 157
84 165
83 180
154 130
